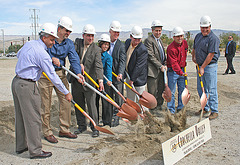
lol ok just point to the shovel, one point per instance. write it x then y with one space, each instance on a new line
203 99
167 94
146 99
125 111
185 94
94 82
101 129
126 100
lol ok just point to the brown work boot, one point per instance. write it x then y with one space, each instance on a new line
213 116
204 112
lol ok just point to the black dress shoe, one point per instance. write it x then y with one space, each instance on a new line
80 130
42 155
225 73
95 133
232 73
21 151
115 121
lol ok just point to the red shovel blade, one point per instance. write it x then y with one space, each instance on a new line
148 100
185 96
167 94
133 105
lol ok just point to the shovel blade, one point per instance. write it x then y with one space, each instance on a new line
203 100
185 96
130 111
105 130
122 114
167 94
133 105
148 100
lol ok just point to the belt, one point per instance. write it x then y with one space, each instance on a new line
57 69
30 80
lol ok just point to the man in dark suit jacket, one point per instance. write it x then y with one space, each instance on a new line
229 54
90 56
156 61
117 51
136 64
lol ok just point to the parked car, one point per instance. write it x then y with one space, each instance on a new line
11 54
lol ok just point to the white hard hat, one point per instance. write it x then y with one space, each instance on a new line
177 31
156 23
205 21
137 32
88 29
105 37
50 29
115 26
66 22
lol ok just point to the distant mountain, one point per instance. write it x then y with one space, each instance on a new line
126 34
21 39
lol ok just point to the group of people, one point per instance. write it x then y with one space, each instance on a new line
140 64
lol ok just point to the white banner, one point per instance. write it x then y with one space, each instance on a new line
185 142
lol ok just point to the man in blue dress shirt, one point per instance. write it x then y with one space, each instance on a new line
33 59
62 48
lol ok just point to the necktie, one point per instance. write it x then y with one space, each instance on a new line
111 48
161 50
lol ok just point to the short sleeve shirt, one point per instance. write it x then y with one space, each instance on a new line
204 45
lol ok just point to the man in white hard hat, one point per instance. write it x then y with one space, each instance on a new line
33 59
117 51
62 48
176 61
205 53
156 63
136 64
90 56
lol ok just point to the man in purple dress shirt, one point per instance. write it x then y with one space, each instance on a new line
33 59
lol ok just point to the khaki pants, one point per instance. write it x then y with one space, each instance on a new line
27 104
46 88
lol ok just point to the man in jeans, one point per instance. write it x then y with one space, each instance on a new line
176 61
62 48
206 53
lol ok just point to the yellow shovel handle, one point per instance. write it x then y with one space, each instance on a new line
94 82
200 77
186 83
90 78
122 81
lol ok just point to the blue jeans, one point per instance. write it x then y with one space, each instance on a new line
209 79
173 79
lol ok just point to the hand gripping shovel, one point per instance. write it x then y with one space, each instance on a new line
203 99
185 94
125 111
101 129
126 100
146 99
167 94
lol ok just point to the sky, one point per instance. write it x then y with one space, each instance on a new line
15 15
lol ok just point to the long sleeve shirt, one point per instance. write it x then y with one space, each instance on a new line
64 49
176 56
33 59
107 66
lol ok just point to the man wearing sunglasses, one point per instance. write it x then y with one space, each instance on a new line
62 48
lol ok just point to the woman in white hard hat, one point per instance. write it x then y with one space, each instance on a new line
104 44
